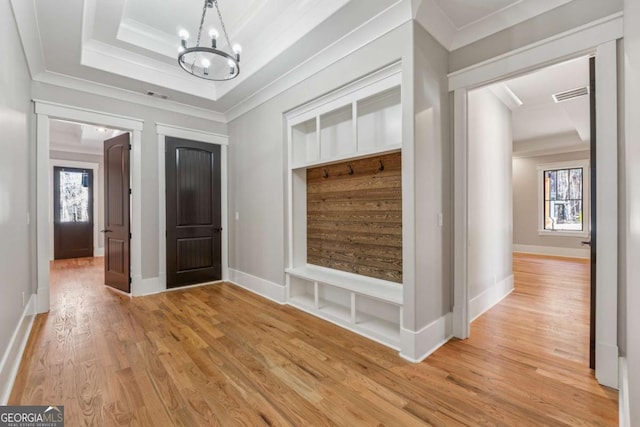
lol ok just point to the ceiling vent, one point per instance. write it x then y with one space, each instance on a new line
570 94
157 95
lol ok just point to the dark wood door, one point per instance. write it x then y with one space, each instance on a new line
193 212
72 212
116 213
592 204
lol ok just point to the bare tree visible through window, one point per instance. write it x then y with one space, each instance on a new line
74 197
563 199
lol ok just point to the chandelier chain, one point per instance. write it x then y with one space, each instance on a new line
224 29
204 12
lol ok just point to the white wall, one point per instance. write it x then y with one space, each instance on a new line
89 158
150 115
15 181
433 167
490 194
632 166
526 208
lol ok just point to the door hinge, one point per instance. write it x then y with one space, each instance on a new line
129 279
129 191
129 235
129 146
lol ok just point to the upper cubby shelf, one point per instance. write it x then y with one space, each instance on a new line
364 121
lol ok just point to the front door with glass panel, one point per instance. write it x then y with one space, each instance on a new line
72 212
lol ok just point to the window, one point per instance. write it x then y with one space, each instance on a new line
564 198
74 196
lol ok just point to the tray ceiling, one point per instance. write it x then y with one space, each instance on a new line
132 44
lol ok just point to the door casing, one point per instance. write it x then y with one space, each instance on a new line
44 112
164 130
598 39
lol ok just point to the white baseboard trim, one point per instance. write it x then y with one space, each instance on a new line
257 285
98 251
148 286
13 354
623 396
553 251
490 297
607 359
417 346
42 300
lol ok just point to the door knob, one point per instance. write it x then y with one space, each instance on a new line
586 243
217 229
105 231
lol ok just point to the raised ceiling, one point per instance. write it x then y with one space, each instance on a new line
132 44
79 137
541 125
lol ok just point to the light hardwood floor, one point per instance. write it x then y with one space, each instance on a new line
219 355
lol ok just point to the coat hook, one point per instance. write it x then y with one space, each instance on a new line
381 167
350 169
325 174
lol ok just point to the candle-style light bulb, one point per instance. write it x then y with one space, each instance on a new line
205 66
237 49
213 33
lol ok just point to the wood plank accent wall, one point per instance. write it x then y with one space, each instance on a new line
354 222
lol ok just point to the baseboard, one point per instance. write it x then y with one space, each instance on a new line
584 253
417 346
98 251
490 297
607 359
623 396
13 354
257 285
148 286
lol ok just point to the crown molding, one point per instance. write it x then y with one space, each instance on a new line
24 12
438 23
75 83
506 95
112 59
376 27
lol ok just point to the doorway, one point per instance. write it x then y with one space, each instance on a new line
46 113
520 62
529 203
82 192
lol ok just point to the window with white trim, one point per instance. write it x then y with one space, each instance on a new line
564 198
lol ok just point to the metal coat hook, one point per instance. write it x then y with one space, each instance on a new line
325 174
381 167
350 169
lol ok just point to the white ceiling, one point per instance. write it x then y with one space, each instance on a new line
539 116
78 137
132 44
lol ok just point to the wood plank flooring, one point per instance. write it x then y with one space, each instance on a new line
219 355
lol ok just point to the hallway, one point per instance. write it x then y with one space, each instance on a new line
219 354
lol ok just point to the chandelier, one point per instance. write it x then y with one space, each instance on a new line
210 63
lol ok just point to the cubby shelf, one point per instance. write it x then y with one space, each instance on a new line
360 120
368 306
383 290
